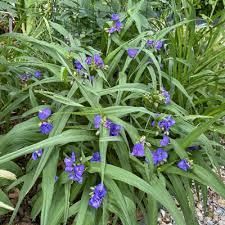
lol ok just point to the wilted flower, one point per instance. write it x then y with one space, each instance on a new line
112 30
37 74
193 148
114 129
46 127
132 52
36 154
97 121
44 113
138 150
166 123
56 178
115 17
165 141
166 96
159 156
184 165
98 61
98 195
24 77
96 157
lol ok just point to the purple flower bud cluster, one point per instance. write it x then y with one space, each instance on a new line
132 52
158 45
184 165
97 196
117 24
45 126
37 154
166 96
96 157
114 129
74 171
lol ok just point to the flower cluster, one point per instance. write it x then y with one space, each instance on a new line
75 171
157 98
114 129
95 62
37 154
45 126
117 24
97 196
158 45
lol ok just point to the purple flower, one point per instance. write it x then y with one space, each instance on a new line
44 113
184 164
158 45
166 96
115 17
96 157
165 141
118 26
97 121
112 30
77 174
107 123
37 74
77 65
166 123
159 156
98 61
132 52
70 162
36 154
88 60
114 129
98 195
46 127
150 43
138 150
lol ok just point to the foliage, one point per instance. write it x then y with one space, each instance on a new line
165 92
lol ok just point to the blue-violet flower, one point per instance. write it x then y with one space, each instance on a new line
184 165
96 157
138 150
44 113
46 127
36 154
132 52
165 141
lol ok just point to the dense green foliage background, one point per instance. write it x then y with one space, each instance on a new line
47 36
